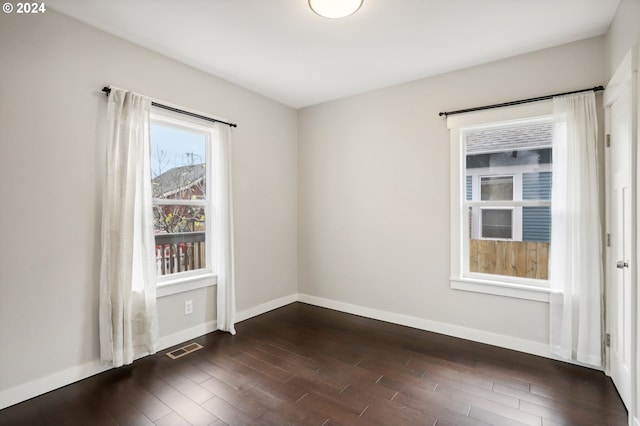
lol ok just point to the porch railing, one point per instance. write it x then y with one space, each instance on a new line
180 252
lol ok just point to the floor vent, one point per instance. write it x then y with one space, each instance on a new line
180 352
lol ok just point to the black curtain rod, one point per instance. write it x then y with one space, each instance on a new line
107 90
523 101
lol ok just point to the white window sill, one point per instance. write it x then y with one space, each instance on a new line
183 284
518 291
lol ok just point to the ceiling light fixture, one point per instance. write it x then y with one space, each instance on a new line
335 8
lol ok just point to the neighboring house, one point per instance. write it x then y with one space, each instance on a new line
509 164
183 183
179 183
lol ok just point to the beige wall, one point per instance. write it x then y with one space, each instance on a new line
623 34
374 191
52 70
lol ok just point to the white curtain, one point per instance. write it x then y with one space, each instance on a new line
575 269
223 230
128 317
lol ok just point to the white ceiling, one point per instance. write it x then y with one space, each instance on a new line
282 50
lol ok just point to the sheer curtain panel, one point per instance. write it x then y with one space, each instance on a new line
575 269
223 228
128 316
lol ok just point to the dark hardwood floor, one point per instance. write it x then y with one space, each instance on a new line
304 365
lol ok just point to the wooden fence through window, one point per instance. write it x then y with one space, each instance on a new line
524 259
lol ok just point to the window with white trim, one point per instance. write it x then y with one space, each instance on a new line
501 205
181 180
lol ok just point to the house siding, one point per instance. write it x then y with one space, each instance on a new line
536 221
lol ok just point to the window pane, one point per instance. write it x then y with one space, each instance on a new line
171 219
519 141
509 162
521 146
497 223
180 238
178 163
496 188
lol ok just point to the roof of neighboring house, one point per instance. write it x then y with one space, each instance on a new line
518 137
177 179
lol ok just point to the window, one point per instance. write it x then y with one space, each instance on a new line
497 223
496 188
501 204
181 184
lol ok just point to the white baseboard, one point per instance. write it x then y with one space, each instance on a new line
266 307
19 393
184 335
33 388
56 380
211 326
475 335
636 421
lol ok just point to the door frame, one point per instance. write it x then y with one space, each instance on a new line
626 74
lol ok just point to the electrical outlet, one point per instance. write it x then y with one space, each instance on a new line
188 307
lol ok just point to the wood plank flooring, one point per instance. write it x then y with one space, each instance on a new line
304 365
